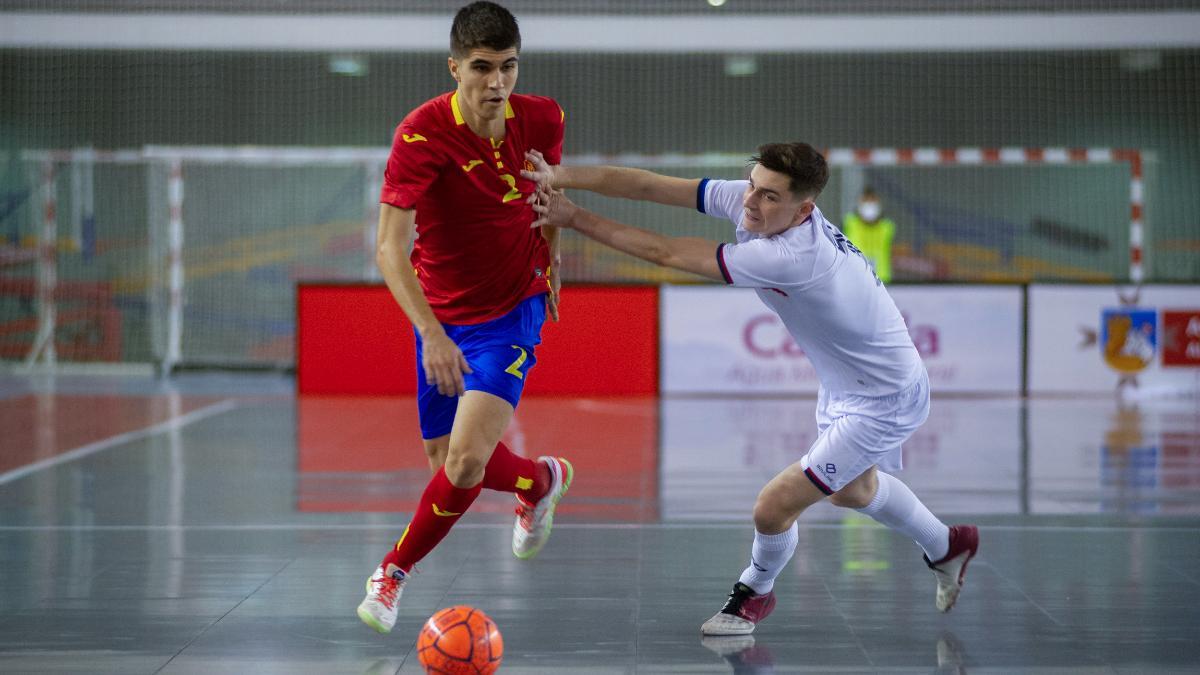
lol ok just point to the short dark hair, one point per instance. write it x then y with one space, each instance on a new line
800 162
483 24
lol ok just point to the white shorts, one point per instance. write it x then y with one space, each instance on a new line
855 433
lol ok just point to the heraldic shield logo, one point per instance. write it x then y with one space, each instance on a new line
1128 338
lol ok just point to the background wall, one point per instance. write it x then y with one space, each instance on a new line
252 233
655 103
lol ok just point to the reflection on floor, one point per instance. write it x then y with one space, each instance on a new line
217 523
376 464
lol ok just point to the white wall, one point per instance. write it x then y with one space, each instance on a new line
592 33
724 340
1068 332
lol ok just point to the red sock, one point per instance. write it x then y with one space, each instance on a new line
509 472
440 507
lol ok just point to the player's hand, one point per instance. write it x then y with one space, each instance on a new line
555 293
444 364
553 208
542 174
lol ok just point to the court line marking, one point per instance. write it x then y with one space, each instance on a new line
120 439
390 527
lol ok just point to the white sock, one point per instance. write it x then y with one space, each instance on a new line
897 507
768 556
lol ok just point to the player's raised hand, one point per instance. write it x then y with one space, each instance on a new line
444 364
542 173
553 208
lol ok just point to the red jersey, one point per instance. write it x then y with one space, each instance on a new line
475 254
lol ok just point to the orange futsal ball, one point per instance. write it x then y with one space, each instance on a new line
460 640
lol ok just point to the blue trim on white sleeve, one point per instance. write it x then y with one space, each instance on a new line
721 264
700 196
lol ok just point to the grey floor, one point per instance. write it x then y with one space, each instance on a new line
216 523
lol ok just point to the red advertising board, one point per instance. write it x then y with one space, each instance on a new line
352 339
1181 337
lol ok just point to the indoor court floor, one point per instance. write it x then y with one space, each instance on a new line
219 523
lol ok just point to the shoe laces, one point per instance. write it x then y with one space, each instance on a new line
525 512
387 589
737 597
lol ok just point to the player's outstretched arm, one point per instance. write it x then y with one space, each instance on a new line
554 275
690 254
614 181
442 360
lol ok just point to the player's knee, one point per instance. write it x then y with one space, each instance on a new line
769 517
465 470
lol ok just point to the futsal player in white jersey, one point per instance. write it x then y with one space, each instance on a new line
874 391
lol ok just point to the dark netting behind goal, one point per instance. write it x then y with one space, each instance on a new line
166 178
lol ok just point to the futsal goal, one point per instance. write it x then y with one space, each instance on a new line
188 256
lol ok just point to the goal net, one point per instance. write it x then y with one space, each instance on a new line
190 256
962 214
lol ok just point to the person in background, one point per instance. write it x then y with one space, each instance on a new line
872 233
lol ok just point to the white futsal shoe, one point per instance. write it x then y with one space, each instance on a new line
532 526
742 611
952 569
378 610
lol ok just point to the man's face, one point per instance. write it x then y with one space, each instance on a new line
486 78
769 205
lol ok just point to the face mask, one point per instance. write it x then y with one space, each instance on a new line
869 210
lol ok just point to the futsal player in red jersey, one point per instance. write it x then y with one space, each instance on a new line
477 288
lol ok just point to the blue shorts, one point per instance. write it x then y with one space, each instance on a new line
500 352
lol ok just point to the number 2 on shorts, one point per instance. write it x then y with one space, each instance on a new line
514 368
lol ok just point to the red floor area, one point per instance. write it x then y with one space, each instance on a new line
42 426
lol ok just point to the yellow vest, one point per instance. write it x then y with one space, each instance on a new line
874 240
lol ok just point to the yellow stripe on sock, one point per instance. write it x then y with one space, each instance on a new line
524 483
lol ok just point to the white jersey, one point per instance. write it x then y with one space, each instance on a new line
826 294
